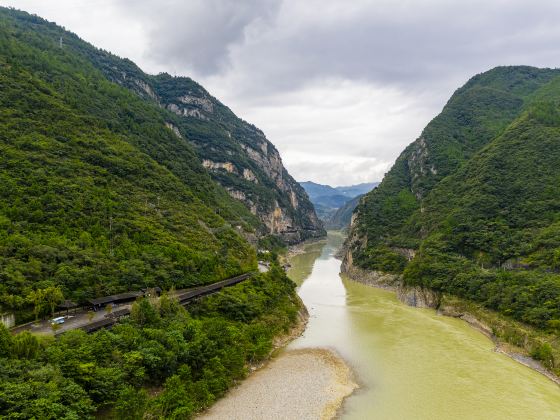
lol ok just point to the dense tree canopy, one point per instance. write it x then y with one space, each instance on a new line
478 199
98 194
190 357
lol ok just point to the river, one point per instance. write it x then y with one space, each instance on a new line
411 363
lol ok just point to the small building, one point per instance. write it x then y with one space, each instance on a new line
100 303
8 319
67 305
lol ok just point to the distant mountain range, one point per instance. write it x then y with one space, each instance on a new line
330 201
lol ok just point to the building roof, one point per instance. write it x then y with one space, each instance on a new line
115 298
68 304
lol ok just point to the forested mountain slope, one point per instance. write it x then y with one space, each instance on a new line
236 153
472 208
98 195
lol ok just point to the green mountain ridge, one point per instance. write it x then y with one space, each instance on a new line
472 207
236 153
101 193
98 195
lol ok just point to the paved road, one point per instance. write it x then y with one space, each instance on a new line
71 322
81 318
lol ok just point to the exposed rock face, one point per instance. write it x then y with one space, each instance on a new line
186 112
250 176
412 296
236 153
145 87
174 129
238 195
418 297
408 253
227 166
204 103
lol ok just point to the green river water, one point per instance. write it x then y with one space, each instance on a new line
411 363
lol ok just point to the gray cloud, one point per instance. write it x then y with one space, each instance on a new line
341 87
196 35
281 45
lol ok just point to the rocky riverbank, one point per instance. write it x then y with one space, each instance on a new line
299 384
424 298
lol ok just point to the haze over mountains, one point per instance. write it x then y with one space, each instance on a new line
328 200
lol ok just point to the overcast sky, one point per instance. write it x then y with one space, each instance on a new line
339 86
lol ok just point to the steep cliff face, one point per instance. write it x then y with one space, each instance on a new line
237 154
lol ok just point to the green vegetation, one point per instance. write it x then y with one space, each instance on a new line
488 222
476 113
190 113
215 131
220 136
163 362
477 198
98 196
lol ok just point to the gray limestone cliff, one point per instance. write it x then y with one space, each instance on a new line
236 153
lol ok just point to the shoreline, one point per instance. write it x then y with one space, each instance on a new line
302 383
391 282
310 382
281 341
298 249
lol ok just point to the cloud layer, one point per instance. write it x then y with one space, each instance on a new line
340 87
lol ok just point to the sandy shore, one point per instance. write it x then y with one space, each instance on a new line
298 384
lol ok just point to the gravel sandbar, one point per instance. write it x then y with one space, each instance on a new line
298 384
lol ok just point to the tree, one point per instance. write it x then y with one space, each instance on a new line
131 403
37 298
53 296
49 297
143 312
26 345
6 341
